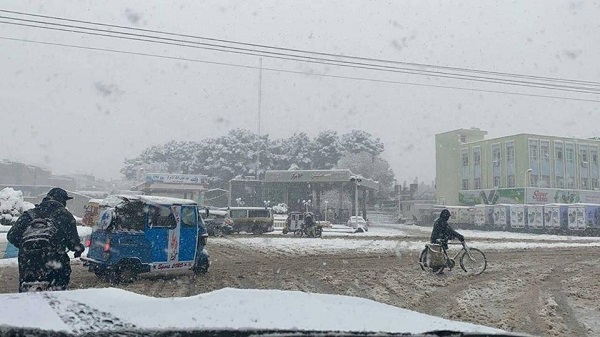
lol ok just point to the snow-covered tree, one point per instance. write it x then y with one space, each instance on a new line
325 150
357 141
296 150
241 153
424 192
373 168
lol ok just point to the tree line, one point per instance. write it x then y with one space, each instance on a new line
244 153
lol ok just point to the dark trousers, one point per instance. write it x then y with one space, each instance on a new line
44 266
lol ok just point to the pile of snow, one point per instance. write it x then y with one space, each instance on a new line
12 205
92 310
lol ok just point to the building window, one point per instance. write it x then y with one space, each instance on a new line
496 154
594 156
463 139
595 183
510 181
534 180
496 182
545 182
559 153
465 184
533 150
559 164
570 182
477 156
570 154
465 159
477 183
545 151
584 158
584 183
510 152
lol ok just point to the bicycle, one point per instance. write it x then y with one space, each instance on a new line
471 260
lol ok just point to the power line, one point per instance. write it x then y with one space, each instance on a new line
294 72
308 52
312 59
245 51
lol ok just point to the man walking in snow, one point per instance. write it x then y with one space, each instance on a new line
43 236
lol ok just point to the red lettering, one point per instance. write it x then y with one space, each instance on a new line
540 196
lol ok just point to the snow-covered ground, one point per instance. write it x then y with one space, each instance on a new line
91 310
397 239
398 230
305 246
414 230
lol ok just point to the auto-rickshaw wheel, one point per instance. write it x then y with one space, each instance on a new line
101 274
126 272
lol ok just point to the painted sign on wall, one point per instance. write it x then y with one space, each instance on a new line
561 196
491 196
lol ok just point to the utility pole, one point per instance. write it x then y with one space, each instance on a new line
259 92
259 112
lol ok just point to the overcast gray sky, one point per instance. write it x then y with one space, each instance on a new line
84 111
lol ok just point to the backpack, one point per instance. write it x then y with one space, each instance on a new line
40 234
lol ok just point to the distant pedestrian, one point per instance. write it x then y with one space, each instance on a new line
43 235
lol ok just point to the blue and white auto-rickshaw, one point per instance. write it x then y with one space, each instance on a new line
138 234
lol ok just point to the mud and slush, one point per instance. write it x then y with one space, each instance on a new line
543 292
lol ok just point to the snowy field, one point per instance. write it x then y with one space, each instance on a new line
395 238
305 246
89 310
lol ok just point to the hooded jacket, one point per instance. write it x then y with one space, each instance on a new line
443 231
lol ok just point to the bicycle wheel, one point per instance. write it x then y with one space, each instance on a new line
474 264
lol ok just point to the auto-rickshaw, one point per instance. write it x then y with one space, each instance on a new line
296 223
142 234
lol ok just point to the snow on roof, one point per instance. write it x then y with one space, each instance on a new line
113 200
252 309
166 200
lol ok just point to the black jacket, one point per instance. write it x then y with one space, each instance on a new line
49 208
443 231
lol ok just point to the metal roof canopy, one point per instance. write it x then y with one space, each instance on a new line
317 176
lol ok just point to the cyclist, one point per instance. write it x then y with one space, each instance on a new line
443 232
309 224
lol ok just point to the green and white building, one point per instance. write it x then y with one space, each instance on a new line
521 168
